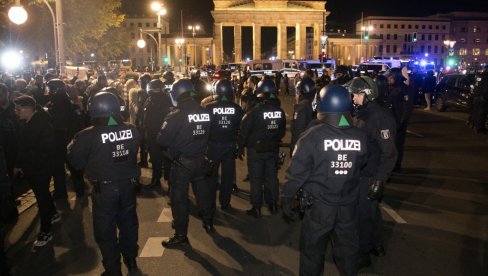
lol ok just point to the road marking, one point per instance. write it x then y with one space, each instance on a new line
394 215
166 215
415 134
153 247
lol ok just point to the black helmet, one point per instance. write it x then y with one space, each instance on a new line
342 69
168 76
103 104
333 99
112 90
223 88
155 86
181 87
56 86
305 86
364 85
266 86
144 79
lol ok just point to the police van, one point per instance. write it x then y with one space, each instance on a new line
265 67
392 62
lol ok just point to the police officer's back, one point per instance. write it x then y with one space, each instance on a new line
326 165
302 110
225 118
108 153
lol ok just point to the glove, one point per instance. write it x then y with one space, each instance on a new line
288 214
376 190
240 153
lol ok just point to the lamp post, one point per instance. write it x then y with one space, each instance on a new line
141 43
160 11
179 43
194 29
449 44
365 35
18 15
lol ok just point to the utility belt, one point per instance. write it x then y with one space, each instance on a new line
262 146
305 200
207 164
98 184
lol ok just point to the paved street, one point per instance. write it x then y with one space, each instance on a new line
435 215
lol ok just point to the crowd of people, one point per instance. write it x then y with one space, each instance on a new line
347 137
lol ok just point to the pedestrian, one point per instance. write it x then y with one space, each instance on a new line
107 151
157 106
341 75
402 107
325 167
262 129
302 110
225 118
248 98
286 83
37 146
428 87
184 137
142 96
379 125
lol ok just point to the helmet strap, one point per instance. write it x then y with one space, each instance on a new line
338 120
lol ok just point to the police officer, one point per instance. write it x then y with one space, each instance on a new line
200 85
184 135
108 153
225 118
379 126
325 166
168 80
157 106
341 75
402 106
139 121
303 112
262 129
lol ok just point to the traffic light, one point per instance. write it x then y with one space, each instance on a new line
414 37
166 60
451 61
366 34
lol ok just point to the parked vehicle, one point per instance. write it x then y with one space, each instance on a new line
453 91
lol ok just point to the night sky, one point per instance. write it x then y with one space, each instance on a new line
343 12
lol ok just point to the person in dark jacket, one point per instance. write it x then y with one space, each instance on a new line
184 136
325 169
248 97
262 129
142 96
9 127
225 118
379 125
428 87
303 112
480 104
157 106
201 87
402 107
37 145
107 152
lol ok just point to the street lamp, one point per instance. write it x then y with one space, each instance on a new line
365 35
194 29
17 14
141 43
179 43
160 11
449 44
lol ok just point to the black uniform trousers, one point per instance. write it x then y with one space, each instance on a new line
40 186
320 223
369 219
190 170
400 141
114 206
222 155
156 154
263 172
59 173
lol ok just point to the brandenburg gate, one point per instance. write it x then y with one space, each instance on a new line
269 13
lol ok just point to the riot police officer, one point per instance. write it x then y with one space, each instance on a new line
325 166
108 153
303 112
225 118
342 75
139 121
168 80
379 126
157 106
184 135
262 129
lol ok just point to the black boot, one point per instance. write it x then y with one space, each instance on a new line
155 183
273 208
254 212
131 264
175 241
208 228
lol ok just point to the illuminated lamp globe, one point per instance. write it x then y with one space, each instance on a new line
141 43
17 14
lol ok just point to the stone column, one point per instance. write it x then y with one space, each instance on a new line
256 35
300 41
217 45
317 43
281 43
238 42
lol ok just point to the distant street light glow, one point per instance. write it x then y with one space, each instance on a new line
141 43
17 14
11 59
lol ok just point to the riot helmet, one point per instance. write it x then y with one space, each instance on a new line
168 76
143 80
103 104
181 88
265 88
56 86
333 105
305 86
223 88
155 86
364 85
195 74
395 75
